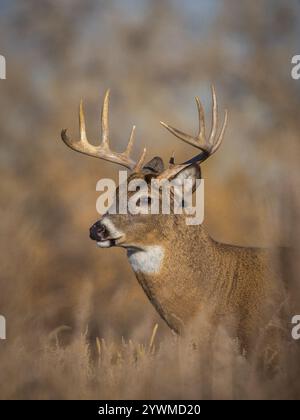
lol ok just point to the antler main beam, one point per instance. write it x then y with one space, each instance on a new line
207 146
103 151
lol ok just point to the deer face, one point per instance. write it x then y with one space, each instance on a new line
143 229
136 230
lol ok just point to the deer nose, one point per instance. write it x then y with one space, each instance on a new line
98 231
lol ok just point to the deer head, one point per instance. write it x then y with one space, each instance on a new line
140 230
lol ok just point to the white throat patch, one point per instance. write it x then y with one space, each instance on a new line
148 260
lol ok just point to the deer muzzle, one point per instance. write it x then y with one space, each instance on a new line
98 232
105 233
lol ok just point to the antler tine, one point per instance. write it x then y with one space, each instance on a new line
130 143
181 135
207 146
214 120
103 151
222 132
193 140
104 121
140 163
210 145
138 166
201 132
82 123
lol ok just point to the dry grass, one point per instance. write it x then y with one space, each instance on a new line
173 368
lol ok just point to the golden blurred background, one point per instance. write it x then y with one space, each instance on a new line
155 56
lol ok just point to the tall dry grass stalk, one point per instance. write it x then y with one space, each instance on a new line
172 368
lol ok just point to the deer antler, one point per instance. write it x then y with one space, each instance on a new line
103 151
207 146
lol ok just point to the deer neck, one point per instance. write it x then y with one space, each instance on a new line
176 274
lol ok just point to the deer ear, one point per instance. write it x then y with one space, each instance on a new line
192 172
155 165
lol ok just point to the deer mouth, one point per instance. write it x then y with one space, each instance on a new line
109 242
106 234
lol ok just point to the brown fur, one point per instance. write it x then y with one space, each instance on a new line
237 286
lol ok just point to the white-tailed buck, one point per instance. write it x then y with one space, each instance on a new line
183 271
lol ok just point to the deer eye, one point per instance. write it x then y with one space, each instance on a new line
145 201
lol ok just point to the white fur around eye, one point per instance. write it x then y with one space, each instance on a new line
148 261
